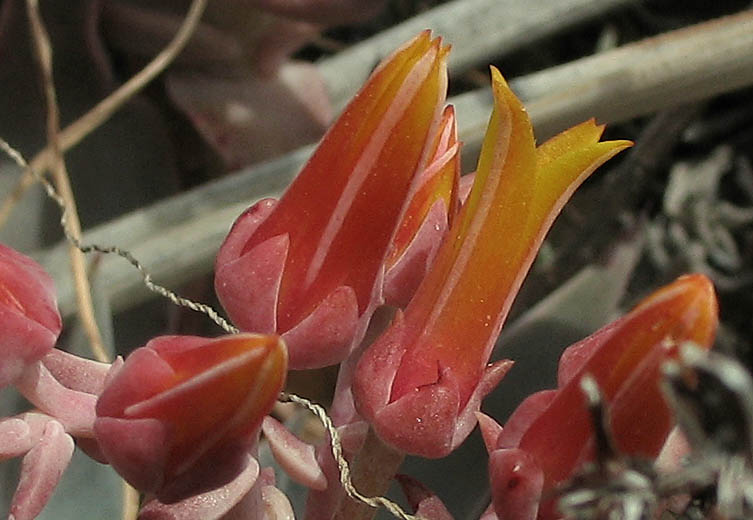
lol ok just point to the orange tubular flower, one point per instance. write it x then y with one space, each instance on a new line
180 415
310 267
624 359
421 382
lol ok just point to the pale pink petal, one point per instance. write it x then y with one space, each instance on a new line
15 438
276 504
75 410
297 458
41 470
278 42
77 373
324 11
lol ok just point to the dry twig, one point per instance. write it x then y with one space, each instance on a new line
43 54
71 135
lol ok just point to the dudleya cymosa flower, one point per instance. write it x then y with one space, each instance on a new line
624 359
310 266
420 383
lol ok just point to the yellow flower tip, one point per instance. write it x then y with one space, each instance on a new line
497 78
505 97
445 50
422 38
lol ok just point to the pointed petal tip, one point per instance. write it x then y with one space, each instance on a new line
490 430
444 51
497 78
691 290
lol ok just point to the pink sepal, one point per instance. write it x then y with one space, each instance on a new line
465 185
41 470
444 426
489 514
297 458
675 449
23 342
523 416
466 420
403 278
211 505
490 430
575 357
140 453
243 227
325 337
517 482
247 283
267 476
117 364
248 286
37 423
75 410
424 502
77 373
276 504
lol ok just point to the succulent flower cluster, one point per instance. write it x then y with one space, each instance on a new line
376 217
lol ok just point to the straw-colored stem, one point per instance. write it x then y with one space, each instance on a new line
43 54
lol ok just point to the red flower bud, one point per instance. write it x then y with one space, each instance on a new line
624 359
310 267
182 412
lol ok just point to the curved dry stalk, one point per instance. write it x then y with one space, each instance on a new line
71 135
43 54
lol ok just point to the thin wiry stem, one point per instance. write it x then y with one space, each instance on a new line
43 54
123 253
71 135
342 464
